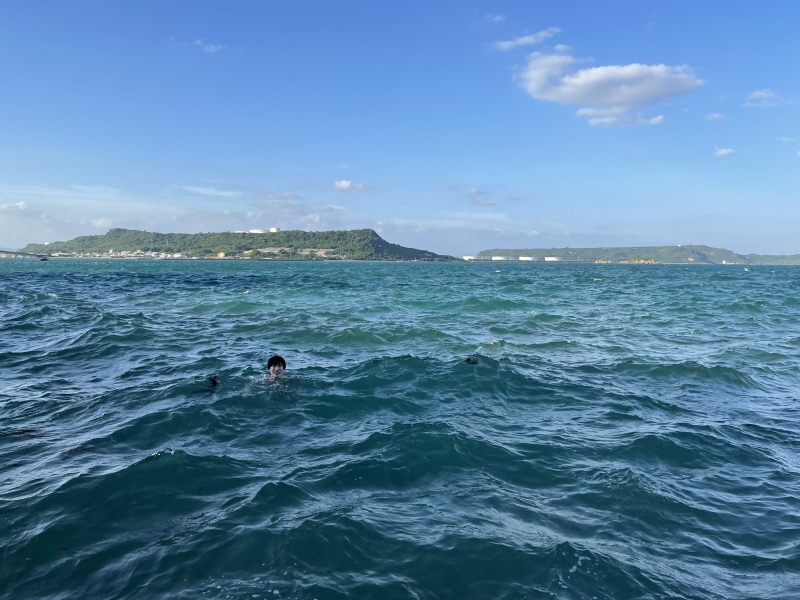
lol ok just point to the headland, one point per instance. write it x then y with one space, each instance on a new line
636 255
359 244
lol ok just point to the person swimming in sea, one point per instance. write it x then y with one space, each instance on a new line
276 366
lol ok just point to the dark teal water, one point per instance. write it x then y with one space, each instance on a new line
628 432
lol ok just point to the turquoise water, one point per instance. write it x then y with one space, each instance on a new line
627 431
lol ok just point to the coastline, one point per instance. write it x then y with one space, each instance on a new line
47 257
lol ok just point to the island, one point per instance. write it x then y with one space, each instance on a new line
638 255
359 244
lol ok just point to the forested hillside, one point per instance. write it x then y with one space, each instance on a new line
361 244
685 254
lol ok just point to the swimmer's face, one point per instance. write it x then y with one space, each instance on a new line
276 371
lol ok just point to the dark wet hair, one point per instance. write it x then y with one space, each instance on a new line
276 360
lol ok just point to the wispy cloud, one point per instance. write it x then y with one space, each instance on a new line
288 210
210 48
527 40
38 213
720 152
786 140
616 117
715 116
478 196
495 18
14 206
346 185
99 190
71 195
765 98
210 191
609 92
481 197
198 44
275 196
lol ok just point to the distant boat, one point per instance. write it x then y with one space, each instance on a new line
41 259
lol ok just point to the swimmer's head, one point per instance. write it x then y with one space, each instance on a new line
276 366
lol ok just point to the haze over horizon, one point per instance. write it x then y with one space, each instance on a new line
452 127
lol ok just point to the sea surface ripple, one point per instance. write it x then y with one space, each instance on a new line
627 431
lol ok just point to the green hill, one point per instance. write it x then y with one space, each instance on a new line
361 244
645 254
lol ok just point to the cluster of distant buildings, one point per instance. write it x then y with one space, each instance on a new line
523 258
122 254
271 230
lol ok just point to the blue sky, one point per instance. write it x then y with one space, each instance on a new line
450 126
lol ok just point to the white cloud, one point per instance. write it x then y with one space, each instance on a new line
288 211
210 191
612 86
786 140
481 198
39 214
616 117
268 213
763 99
527 40
720 152
495 18
210 48
14 206
609 91
798 154
350 186
606 117
715 116
52 214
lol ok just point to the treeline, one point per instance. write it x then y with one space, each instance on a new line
688 254
361 244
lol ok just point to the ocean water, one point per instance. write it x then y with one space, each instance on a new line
627 431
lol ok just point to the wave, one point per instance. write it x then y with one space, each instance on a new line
609 439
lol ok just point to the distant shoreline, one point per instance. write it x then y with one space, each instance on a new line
680 254
365 245
524 264
224 259
360 244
